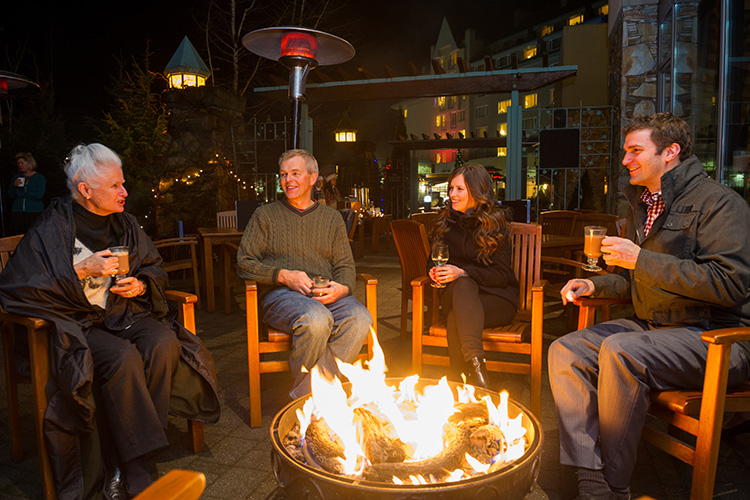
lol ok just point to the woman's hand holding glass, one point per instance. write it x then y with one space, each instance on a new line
128 287
445 274
440 256
102 263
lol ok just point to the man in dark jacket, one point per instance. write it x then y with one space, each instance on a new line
686 256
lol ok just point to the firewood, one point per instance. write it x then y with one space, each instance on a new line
378 437
486 442
452 456
322 448
471 414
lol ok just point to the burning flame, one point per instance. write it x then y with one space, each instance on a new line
417 419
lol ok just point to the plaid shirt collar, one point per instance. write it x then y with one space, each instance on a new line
655 208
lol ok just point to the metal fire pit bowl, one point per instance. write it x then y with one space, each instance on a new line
303 482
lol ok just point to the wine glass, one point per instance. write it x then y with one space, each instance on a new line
440 258
592 246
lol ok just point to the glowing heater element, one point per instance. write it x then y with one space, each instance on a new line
299 45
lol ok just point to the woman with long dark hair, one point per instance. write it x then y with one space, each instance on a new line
481 288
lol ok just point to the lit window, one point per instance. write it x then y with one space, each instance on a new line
530 101
406 112
529 52
441 103
346 136
462 132
502 151
604 10
502 129
453 58
575 20
502 106
438 158
481 131
437 121
547 30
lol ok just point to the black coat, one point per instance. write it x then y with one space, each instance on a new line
497 278
40 281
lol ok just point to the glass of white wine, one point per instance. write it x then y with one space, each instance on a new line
440 258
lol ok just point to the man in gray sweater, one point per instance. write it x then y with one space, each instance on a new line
286 244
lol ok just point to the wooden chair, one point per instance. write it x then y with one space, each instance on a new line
282 342
522 336
37 331
175 259
175 485
697 413
558 222
413 250
226 219
426 218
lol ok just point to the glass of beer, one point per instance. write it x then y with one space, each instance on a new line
123 261
592 246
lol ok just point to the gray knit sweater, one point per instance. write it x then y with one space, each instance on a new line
279 236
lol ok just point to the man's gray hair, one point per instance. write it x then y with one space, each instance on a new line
311 164
84 163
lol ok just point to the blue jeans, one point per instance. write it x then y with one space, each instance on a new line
601 378
320 333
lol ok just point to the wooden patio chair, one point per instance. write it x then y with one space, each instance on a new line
413 250
175 485
282 342
595 219
37 331
522 336
698 413
426 218
180 254
227 219
558 222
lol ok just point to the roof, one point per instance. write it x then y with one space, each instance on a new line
187 60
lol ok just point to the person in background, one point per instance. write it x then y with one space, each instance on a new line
317 192
285 244
687 270
26 192
482 289
116 351
332 193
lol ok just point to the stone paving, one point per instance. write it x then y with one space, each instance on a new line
237 462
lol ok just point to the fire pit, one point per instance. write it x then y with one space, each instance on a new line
513 480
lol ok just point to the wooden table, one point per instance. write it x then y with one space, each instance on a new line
380 225
211 236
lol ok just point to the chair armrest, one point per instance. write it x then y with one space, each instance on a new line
25 321
186 309
727 335
421 281
371 302
587 309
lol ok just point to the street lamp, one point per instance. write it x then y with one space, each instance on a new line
300 49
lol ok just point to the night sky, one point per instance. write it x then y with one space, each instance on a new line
76 43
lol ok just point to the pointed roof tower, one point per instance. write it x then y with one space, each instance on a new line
445 41
186 68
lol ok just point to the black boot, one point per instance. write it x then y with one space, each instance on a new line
114 486
478 376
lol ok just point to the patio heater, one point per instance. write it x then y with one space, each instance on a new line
10 83
301 50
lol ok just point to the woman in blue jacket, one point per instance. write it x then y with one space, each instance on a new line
26 191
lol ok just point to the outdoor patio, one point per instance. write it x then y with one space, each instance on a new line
236 460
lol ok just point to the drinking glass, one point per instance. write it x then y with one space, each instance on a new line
440 258
319 282
592 246
123 263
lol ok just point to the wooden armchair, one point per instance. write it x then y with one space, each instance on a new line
595 219
282 342
226 219
179 254
698 413
413 250
37 331
558 222
523 336
175 485
426 218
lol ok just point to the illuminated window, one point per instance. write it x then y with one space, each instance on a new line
406 112
502 151
502 129
547 30
182 80
438 158
481 131
604 10
462 132
480 112
502 106
530 101
346 136
575 20
529 52
453 58
441 103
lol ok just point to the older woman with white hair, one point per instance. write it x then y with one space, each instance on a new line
113 347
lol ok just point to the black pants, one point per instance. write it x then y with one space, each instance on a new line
467 313
134 370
